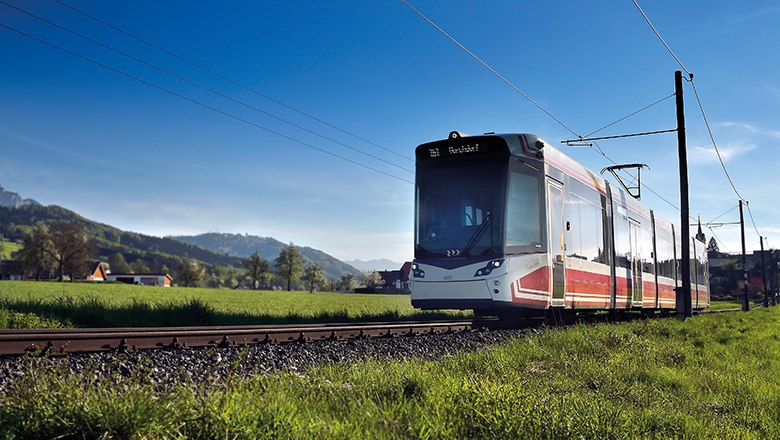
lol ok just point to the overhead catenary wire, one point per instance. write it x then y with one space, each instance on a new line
204 87
487 66
660 38
718 240
716 218
629 115
199 103
230 80
750 214
595 148
701 108
714 144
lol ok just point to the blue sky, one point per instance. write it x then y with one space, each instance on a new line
127 154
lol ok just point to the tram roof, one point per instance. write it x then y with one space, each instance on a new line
533 147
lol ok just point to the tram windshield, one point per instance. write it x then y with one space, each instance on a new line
460 210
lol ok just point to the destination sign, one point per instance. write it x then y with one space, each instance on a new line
477 145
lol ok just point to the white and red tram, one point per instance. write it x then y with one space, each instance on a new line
507 222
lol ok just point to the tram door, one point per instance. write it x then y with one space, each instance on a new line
636 262
557 243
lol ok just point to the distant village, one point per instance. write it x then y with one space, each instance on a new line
390 281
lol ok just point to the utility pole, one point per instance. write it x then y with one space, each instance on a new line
745 297
774 288
763 273
684 292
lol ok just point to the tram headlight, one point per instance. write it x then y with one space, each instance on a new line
489 267
417 272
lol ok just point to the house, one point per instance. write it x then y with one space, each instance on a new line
11 270
97 272
144 279
396 281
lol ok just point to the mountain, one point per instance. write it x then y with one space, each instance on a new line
156 252
14 200
382 264
18 216
242 246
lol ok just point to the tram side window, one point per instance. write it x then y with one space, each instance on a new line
646 237
665 253
678 261
585 217
699 262
524 219
605 257
622 240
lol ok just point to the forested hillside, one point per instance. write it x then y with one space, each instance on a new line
242 246
220 253
155 252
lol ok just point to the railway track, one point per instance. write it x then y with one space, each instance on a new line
64 341
58 342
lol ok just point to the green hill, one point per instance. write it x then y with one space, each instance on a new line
156 252
212 250
242 246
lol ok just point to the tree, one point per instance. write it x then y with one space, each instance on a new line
370 278
289 264
257 269
347 282
139 266
215 281
314 275
70 249
35 259
118 264
190 274
712 247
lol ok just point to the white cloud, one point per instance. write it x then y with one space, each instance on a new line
745 128
704 155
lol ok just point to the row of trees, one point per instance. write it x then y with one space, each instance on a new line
63 249
290 266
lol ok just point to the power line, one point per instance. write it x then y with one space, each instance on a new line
701 109
723 245
733 208
487 66
715 145
660 38
203 87
207 106
750 213
597 149
629 115
229 80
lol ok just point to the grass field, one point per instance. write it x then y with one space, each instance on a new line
29 304
112 305
709 377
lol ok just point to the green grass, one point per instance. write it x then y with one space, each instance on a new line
710 377
720 305
7 249
111 305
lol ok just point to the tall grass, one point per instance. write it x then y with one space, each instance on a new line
120 305
708 377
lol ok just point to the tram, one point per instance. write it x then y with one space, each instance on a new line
506 222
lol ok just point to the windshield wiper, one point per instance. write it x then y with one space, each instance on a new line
477 235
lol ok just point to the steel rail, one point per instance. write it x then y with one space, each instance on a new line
64 341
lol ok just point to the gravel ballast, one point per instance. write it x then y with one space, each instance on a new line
169 367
